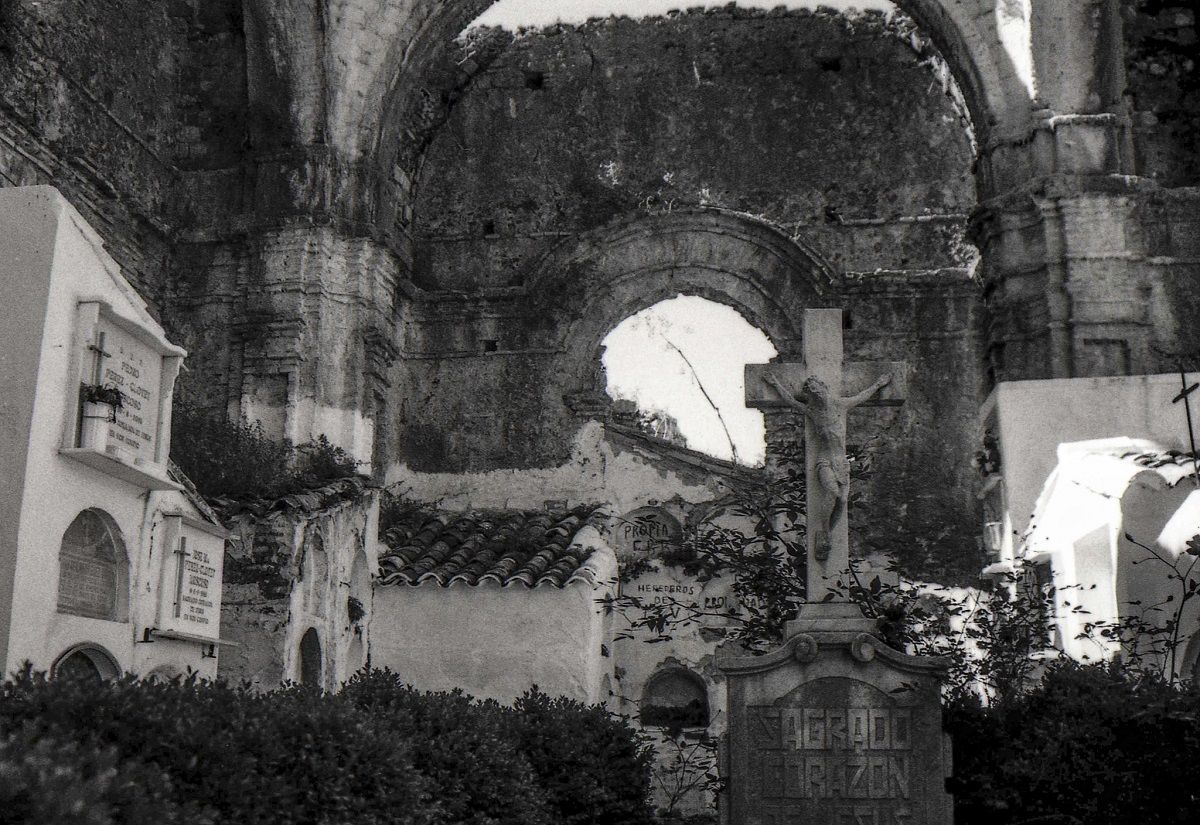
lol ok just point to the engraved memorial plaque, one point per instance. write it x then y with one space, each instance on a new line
644 531
856 740
135 368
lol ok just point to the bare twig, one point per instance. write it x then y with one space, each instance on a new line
704 392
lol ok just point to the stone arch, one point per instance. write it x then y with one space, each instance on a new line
629 265
425 79
93 569
85 661
674 697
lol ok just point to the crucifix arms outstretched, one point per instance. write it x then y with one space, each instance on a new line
826 412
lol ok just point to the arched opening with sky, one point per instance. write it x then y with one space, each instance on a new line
682 359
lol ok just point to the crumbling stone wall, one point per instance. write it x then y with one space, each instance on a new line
88 104
809 120
1163 64
304 564
663 154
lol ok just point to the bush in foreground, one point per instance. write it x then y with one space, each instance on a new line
128 753
1088 744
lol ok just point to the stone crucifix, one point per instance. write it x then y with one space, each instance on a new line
825 392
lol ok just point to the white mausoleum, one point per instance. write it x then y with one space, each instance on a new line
108 562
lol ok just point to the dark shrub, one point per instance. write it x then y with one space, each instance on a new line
462 747
238 460
130 753
593 768
50 779
1089 744
290 756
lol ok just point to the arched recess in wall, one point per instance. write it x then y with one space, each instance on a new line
617 270
316 572
427 74
358 607
312 664
93 569
674 698
86 661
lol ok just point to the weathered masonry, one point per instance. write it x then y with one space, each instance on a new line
363 226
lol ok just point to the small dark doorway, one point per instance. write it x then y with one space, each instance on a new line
310 658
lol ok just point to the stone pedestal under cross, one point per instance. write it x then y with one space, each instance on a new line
825 390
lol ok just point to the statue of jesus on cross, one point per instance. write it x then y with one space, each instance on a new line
825 394
827 414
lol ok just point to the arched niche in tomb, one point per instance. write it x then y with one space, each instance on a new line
316 573
645 532
85 661
312 665
93 570
674 698
358 606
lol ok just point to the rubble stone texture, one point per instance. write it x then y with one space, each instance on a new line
363 227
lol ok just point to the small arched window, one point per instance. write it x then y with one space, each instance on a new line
675 699
310 658
93 570
89 662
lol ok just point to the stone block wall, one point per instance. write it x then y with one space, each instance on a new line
587 172
88 104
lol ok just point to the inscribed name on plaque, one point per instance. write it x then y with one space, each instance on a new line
136 370
193 598
836 751
645 531
667 586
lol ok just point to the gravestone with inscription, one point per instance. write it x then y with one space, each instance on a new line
834 727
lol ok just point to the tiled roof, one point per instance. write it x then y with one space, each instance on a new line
1173 465
318 495
529 547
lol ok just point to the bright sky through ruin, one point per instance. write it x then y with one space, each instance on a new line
642 366
513 14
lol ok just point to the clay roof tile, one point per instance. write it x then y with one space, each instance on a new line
531 548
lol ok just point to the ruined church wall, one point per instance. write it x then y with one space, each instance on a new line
293 570
836 134
88 103
1164 89
812 122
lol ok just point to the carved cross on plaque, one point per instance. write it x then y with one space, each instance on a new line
825 392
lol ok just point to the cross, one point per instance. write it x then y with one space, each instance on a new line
1184 396
825 391
182 553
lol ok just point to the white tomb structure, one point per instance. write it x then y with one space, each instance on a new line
109 563
1090 485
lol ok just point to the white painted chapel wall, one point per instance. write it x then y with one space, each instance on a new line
48 250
